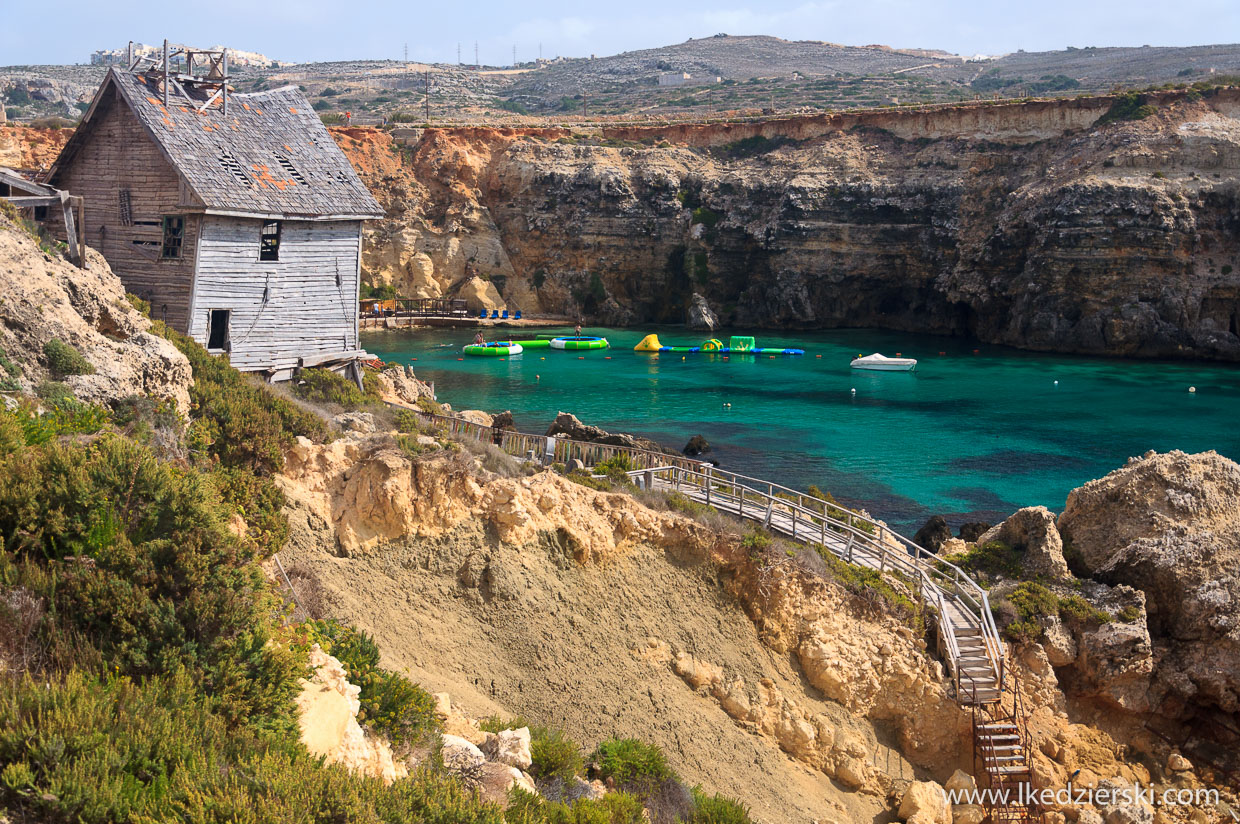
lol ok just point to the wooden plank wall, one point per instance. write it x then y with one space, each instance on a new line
303 311
120 155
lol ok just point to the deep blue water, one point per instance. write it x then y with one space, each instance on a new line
970 436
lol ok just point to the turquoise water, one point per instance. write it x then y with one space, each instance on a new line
970 436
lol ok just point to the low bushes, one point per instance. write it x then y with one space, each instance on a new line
63 359
323 386
1024 612
613 808
629 760
94 750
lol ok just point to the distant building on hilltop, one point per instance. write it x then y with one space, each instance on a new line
236 215
674 78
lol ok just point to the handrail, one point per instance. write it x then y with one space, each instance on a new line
938 580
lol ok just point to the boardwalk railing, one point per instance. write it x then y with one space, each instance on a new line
957 599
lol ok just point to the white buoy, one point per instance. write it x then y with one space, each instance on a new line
1192 390
1056 383
854 391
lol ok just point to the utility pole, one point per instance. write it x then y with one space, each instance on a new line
458 53
514 55
540 51
477 64
406 52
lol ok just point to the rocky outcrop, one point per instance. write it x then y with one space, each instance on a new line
327 713
978 221
567 425
933 534
699 315
43 296
1033 533
1169 526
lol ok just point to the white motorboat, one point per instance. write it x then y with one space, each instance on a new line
882 363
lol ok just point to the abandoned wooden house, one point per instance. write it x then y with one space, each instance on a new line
236 215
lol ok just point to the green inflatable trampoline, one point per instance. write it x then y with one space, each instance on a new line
579 343
494 349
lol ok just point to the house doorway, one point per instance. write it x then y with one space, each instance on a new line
217 329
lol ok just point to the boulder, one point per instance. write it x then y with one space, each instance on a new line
1169 526
1117 659
480 294
496 780
924 802
972 530
696 446
461 756
511 747
362 423
476 416
503 420
960 782
1178 763
1032 531
933 534
699 315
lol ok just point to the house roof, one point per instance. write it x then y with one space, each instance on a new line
270 156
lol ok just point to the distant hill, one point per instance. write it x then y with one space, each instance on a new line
726 74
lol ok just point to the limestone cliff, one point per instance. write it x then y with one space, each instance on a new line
758 673
1017 223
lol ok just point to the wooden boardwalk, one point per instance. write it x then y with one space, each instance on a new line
968 638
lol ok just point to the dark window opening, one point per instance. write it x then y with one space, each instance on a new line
40 213
126 208
269 241
217 329
174 235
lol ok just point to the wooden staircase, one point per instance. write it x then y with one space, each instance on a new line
978 682
1001 759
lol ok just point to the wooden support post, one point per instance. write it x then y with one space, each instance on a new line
167 73
80 203
71 233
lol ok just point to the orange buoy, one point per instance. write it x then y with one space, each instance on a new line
818 356
942 353
581 357
975 351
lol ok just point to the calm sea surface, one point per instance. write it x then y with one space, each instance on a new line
972 436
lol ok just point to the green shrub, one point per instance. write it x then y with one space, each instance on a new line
758 540
1129 614
554 754
989 562
679 502
1128 106
236 420
866 581
393 705
143 306
628 760
13 370
63 359
91 751
584 478
323 386
1024 611
143 576
613 808
717 809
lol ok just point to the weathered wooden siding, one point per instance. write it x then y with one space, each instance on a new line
281 310
121 156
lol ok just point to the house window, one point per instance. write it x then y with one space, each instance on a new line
269 241
217 329
174 233
125 207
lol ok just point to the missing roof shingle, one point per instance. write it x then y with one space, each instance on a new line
230 164
287 165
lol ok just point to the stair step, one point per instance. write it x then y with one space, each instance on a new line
997 725
1003 748
996 759
1008 770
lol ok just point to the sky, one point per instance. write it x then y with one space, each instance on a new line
67 31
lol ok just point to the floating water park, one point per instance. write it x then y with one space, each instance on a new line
737 345
572 343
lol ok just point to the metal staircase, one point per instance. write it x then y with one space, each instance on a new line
1001 750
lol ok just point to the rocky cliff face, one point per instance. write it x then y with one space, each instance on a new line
1023 224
